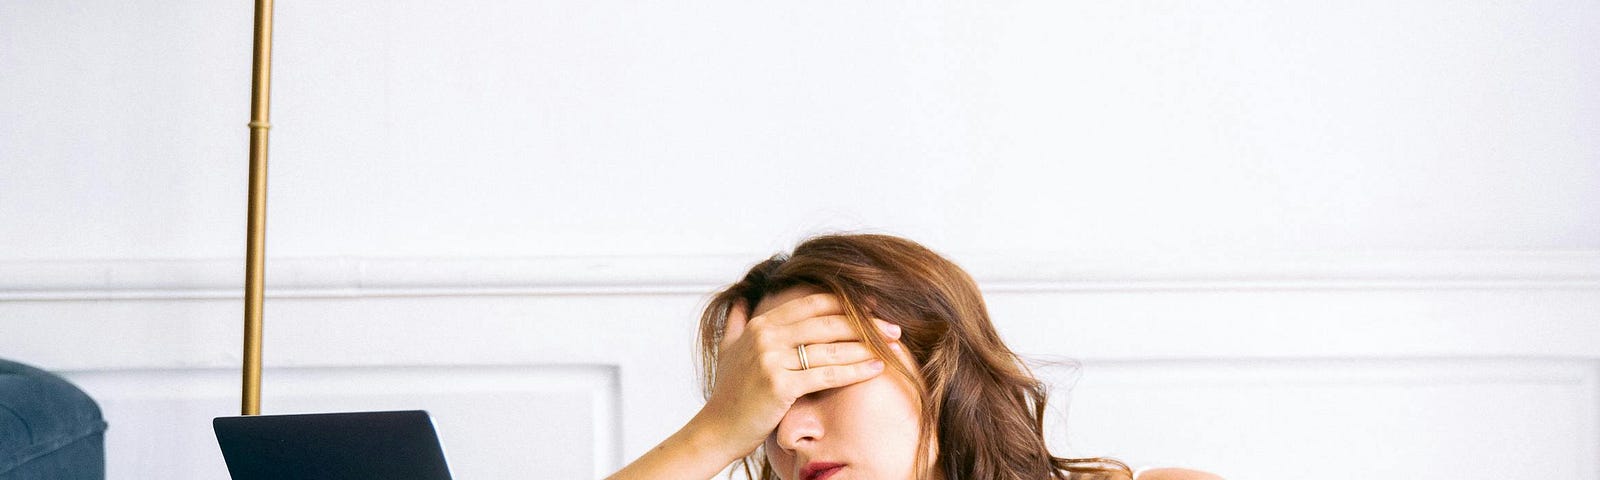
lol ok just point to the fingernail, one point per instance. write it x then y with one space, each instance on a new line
892 330
876 365
896 347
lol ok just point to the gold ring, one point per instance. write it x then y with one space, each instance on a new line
801 351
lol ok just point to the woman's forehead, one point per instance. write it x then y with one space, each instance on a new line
772 301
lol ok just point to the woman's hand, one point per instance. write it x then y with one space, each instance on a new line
758 371
758 377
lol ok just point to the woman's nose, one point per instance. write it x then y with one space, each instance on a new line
800 426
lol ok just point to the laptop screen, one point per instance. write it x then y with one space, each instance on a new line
400 445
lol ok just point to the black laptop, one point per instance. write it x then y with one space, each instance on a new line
399 445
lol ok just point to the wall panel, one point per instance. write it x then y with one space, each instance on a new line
494 421
1459 418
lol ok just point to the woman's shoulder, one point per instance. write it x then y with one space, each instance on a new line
1175 474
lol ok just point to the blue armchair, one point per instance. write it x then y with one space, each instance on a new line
49 429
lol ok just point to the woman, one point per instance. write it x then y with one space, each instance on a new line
798 388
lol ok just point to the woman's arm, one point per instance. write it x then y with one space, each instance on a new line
693 452
758 379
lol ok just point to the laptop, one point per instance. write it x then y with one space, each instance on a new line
398 445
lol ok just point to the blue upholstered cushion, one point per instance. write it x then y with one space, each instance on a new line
48 427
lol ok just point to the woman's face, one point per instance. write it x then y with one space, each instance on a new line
870 428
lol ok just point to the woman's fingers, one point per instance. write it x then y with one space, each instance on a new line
815 318
828 329
833 376
813 305
825 354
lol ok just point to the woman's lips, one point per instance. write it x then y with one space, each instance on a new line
820 470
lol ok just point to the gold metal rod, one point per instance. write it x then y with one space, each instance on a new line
256 243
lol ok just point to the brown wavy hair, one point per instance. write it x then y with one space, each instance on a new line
979 398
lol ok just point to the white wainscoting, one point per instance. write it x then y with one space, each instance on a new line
1339 418
494 421
1432 365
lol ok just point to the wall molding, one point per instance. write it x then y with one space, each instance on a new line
321 277
448 392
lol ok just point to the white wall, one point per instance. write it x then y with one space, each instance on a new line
1279 237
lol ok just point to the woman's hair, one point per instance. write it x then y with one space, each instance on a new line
977 398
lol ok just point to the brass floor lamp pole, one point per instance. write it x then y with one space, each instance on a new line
255 245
